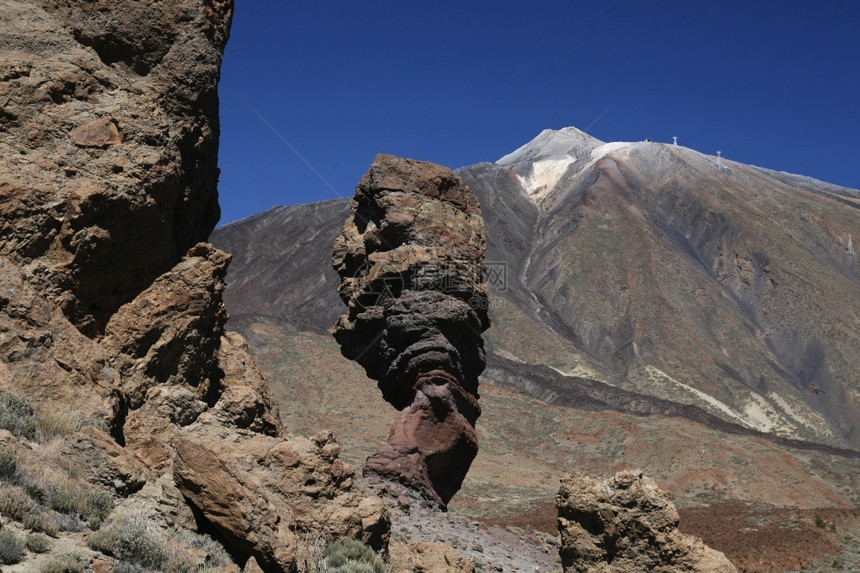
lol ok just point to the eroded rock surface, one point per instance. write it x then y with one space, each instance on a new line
411 260
625 524
108 154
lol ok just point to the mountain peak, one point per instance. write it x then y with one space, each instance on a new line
551 143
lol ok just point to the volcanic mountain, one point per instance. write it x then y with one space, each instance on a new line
651 307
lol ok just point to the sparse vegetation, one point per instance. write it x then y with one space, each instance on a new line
50 424
819 522
17 416
15 503
139 549
37 543
130 542
8 465
92 506
352 556
65 563
11 548
38 522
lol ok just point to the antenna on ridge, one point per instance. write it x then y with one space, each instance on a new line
719 160
850 246
675 140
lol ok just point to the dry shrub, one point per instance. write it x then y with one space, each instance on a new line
37 543
65 563
14 502
63 422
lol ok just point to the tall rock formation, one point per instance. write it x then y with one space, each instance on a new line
411 260
625 524
111 303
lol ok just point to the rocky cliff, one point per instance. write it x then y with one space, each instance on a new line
113 348
411 260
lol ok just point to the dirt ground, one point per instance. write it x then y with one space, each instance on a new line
770 540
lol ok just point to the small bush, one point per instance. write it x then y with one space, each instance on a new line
38 522
214 553
90 505
11 548
96 505
8 465
17 416
129 542
37 543
15 503
65 563
64 501
352 556
819 522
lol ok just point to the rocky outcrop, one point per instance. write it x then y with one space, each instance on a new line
265 494
411 260
110 304
625 524
108 154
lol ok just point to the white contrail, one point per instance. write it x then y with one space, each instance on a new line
596 119
296 151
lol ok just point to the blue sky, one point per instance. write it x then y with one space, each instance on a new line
311 91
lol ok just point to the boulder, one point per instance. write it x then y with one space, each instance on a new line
626 524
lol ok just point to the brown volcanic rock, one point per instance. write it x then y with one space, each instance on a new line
171 332
263 494
108 160
626 524
411 260
42 354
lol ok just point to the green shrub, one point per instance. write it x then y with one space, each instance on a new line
97 504
37 543
38 522
17 415
129 542
819 522
352 556
15 503
65 563
8 465
90 505
64 501
215 554
11 548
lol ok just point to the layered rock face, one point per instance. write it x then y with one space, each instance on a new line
108 154
111 305
625 524
411 260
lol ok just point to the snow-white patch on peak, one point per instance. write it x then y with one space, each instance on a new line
551 143
607 148
544 175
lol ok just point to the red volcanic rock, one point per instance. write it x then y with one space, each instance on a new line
411 261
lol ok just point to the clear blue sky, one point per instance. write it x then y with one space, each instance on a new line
769 83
